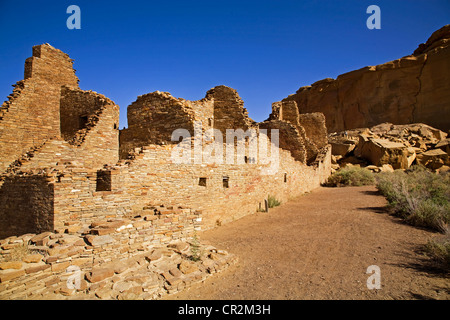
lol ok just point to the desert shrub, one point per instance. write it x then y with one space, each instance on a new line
439 250
418 195
351 176
273 202
195 247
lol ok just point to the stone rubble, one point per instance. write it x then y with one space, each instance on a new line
389 147
40 266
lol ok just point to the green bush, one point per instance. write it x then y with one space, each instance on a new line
351 176
439 251
419 196
273 202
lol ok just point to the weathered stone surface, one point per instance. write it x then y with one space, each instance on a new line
433 159
10 275
400 146
99 274
11 265
187 267
99 240
382 151
32 258
411 89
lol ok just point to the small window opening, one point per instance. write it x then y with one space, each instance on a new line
202 182
103 181
225 182
245 159
209 122
285 177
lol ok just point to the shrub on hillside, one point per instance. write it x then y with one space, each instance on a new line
351 176
439 250
419 196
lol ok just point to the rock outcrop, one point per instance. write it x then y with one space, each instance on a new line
387 147
415 88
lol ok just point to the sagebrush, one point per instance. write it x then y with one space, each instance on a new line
439 250
351 176
419 196
273 202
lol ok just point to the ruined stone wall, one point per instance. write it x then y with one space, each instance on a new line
80 111
31 115
153 117
152 179
128 258
151 120
26 205
310 135
229 111
415 88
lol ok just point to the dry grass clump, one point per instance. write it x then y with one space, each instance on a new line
439 250
419 196
351 176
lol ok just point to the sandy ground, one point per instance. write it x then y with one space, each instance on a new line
319 246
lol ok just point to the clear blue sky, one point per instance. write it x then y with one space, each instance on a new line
265 50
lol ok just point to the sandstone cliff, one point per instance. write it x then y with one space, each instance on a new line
415 88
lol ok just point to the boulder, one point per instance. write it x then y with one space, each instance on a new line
382 151
342 148
444 145
433 159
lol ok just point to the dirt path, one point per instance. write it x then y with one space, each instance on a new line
319 246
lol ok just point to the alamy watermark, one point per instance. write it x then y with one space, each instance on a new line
74 20
374 21
374 280
74 279
208 147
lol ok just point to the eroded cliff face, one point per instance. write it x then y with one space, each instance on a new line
415 88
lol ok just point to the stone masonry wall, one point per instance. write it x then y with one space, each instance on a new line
31 115
152 178
80 111
26 205
229 111
128 258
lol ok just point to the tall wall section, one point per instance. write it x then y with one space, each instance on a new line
412 89
47 126
31 115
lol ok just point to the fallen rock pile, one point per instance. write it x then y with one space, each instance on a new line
74 266
387 147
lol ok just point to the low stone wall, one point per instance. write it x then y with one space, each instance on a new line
142 257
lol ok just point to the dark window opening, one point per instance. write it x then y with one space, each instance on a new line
82 121
285 177
202 182
103 181
115 126
246 159
209 122
225 182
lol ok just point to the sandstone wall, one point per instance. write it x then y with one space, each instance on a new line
415 88
151 120
26 205
152 179
229 111
310 134
153 117
80 163
31 115
115 259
